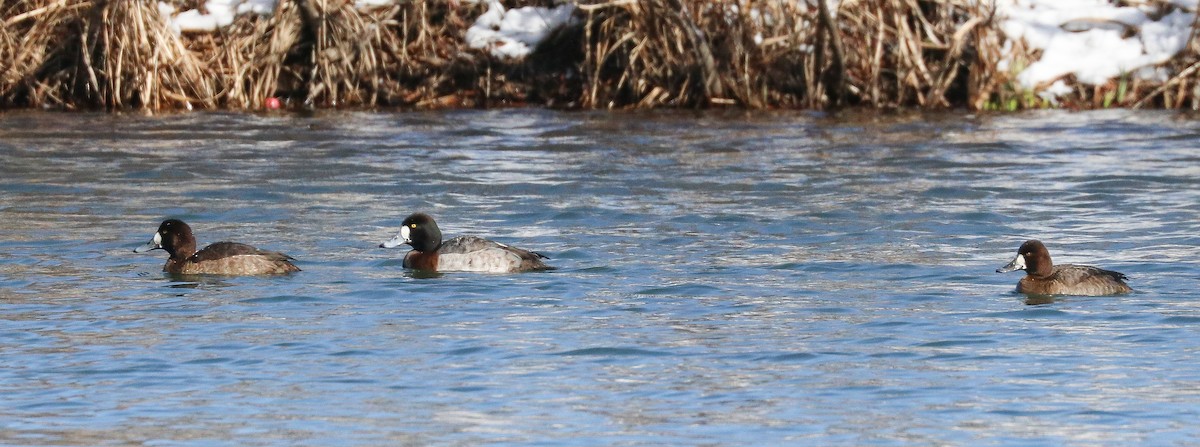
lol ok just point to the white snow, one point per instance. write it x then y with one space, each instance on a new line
1094 40
514 33
1055 90
222 12
368 4
509 34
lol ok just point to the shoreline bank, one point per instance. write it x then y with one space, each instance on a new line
881 54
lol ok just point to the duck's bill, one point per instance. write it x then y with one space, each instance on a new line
1018 263
394 242
400 238
154 244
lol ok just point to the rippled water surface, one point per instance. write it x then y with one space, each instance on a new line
723 279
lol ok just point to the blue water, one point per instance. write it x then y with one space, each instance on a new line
724 279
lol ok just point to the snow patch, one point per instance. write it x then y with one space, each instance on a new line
513 34
1094 40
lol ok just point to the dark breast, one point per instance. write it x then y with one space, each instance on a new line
421 261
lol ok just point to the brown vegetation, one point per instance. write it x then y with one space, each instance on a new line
117 54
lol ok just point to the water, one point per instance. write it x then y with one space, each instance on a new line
724 279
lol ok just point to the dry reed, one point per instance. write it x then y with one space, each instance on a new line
619 54
247 59
131 58
29 36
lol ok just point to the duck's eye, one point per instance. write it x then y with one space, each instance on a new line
412 225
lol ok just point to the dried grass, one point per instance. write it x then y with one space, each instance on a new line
29 36
247 59
913 53
131 58
427 61
111 54
621 54
783 54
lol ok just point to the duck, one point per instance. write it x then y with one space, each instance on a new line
460 254
221 258
1044 278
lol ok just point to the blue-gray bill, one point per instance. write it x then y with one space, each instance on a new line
154 244
399 239
1018 263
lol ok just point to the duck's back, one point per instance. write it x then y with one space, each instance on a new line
232 258
1070 279
475 254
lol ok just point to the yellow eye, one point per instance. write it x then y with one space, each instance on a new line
412 225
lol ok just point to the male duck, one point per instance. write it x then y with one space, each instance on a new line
221 258
463 253
1044 278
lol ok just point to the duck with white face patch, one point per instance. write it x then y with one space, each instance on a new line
463 254
1044 278
221 258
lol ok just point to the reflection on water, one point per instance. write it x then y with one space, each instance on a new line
724 278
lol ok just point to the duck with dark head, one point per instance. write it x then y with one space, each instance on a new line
1042 277
463 253
221 258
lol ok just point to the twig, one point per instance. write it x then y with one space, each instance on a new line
612 4
45 9
1162 88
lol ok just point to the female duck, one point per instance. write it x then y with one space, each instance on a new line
221 258
463 253
1044 278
